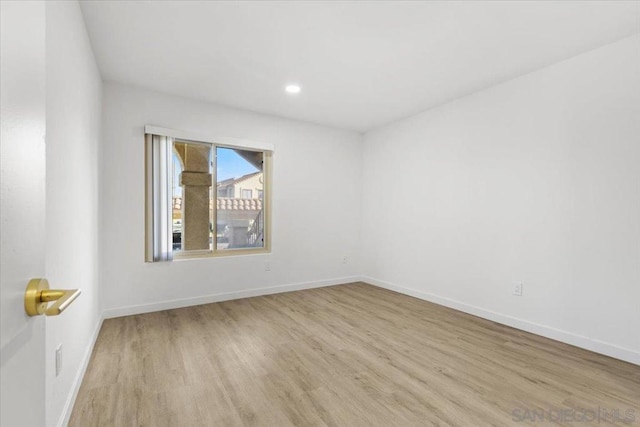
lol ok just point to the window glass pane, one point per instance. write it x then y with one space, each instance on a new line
240 179
192 207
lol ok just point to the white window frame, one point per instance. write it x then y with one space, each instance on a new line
159 243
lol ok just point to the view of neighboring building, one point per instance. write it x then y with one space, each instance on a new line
249 186
240 222
239 205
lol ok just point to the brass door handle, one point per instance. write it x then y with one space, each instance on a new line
38 295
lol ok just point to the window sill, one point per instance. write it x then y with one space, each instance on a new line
220 254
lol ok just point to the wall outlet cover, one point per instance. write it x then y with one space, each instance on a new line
58 360
517 289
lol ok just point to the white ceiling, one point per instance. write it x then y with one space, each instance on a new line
360 64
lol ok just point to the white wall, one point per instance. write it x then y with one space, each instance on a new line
74 91
534 180
316 205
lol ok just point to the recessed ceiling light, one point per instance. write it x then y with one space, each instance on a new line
292 89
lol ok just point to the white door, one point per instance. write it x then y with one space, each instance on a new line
22 206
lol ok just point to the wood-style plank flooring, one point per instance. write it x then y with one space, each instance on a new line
349 355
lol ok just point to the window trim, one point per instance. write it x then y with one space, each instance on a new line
218 140
232 143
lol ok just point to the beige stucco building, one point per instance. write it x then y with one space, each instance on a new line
248 186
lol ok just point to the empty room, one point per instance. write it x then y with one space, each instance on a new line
320 213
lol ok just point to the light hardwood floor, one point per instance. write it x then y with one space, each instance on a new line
349 355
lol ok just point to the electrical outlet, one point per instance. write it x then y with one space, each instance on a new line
58 360
345 259
267 266
517 289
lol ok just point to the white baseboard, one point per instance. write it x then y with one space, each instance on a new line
77 381
226 296
587 343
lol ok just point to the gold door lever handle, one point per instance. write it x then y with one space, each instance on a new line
63 299
38 295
